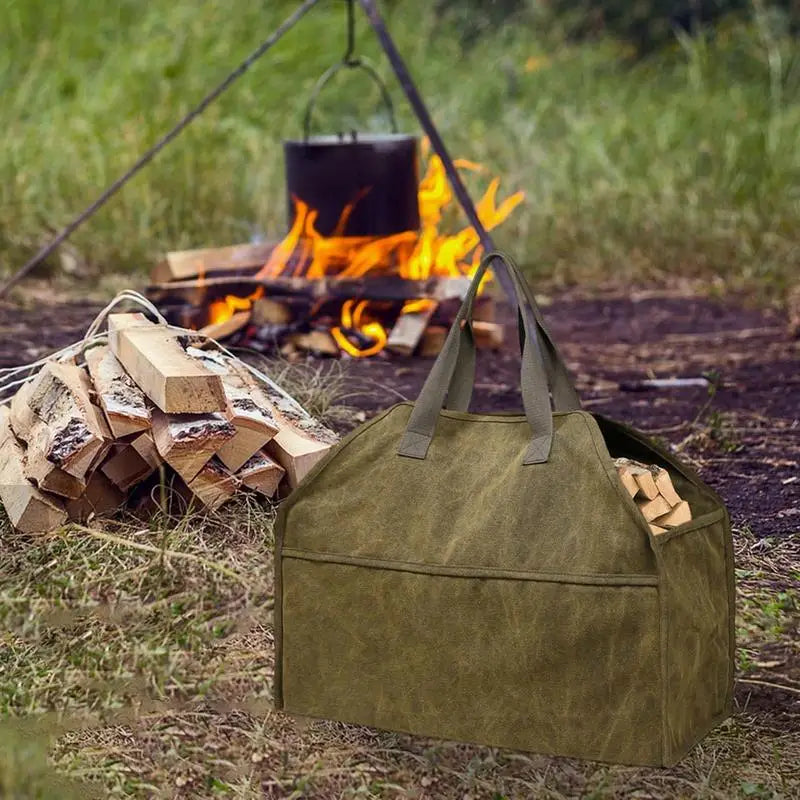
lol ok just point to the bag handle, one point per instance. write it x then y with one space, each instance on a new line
565 397
533 379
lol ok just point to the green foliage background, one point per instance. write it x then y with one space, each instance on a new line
681 161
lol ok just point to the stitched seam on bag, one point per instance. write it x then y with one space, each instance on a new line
461 571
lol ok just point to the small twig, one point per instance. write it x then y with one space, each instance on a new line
782 686
148 548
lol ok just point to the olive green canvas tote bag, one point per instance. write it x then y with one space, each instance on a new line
487 578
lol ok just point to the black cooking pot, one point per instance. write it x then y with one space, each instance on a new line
376 176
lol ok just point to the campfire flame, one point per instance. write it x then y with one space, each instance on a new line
414 255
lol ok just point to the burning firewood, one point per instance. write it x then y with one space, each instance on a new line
226 327
29 510
120 398
651 488
153 356
184 264
410 326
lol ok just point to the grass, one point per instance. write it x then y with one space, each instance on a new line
149 672
682 163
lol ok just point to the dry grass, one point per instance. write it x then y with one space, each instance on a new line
138 658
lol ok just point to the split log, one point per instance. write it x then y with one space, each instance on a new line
248 410
31 430
229 326
214 484
132 463
433 341
655 508
664 485
22 417
78 434
487 335
120 398
301 441
153 356
627 479
29 510
44 473
267 311
633 474
262 474
657 529
410 327
678 515
204 262
316 342
101 497
188 442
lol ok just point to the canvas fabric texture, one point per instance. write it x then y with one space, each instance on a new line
488 579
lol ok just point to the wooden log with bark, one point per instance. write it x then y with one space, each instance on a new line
122 401
29 510
214 484
78 435
188 441
262 474
156 360
247 409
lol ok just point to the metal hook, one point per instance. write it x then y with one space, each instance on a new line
349 61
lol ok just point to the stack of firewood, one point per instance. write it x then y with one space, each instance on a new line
651 488
84 432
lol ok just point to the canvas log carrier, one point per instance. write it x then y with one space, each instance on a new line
487 578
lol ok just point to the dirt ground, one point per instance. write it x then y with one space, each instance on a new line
743 436
742 432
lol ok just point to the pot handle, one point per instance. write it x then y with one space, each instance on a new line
533 378
351 62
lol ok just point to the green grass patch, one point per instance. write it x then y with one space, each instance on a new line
685 162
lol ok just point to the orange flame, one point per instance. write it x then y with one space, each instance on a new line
220 310
414 255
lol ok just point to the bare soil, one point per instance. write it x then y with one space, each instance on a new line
742 434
